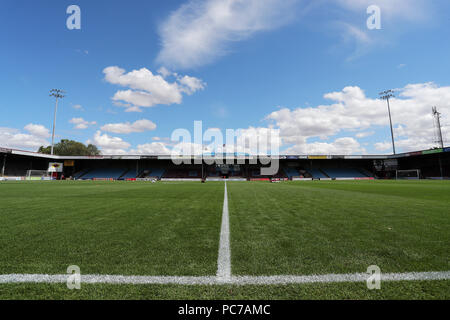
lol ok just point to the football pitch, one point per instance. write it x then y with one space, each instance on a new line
239 240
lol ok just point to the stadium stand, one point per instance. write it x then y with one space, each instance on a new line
305 174
152 172
104 173
212 172
343 173
193 174
79 174
130 174
255 173
366 172
433 164
16 172
317 174
181 173
291 172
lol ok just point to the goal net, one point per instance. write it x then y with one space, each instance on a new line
38 175
408 174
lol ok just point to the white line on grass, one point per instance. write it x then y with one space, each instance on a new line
234 280
224 272
224 259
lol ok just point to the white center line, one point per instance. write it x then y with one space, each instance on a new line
224 260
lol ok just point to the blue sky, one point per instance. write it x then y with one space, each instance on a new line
137 70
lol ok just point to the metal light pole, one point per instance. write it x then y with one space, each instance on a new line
386 95
58 94
437 117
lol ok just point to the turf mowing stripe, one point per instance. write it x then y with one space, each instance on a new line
234 280
224 259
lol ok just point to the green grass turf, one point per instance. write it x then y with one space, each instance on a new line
405 290
173 229
339 227
110 227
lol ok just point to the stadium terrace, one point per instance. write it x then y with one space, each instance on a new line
25 165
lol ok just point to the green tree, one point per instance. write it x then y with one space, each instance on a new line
71 148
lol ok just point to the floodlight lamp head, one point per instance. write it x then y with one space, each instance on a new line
387 93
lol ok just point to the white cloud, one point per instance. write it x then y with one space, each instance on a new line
352 110
81 124
251 140
78 107
86 52
108 144
189 148
148 89
164 72
117 146
357 37
156 148
259 141
340 146
37 130
133 109
383 146
190 84
200 31
15 139
366 134
127 127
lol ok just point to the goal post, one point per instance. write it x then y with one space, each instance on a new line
38 175
407 174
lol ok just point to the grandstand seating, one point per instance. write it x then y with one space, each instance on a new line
130 174
255 173
343 173
213 174
104 173
365 172
79 174
193 173
15 172
291 172
154 172
317 174
181 173
305 174
236 173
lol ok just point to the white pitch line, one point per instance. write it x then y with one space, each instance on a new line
234 280
336 278
224 259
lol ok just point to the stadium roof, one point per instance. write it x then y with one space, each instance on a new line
226 156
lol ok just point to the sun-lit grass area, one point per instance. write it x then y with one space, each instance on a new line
110 227
436 290
289 228
339 227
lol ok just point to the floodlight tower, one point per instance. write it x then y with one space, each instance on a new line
437 119
386 95
58 94
438 129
